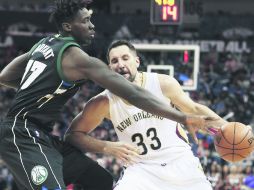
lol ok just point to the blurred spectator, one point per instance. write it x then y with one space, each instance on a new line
234 179
232 64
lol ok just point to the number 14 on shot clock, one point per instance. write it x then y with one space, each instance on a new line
166 12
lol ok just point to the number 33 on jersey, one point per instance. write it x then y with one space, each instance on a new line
156 137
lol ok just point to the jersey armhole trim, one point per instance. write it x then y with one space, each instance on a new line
159 84
59 59
107 94
69 38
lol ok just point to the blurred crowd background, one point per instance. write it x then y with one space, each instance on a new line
223 29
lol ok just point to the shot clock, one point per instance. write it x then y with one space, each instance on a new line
166 12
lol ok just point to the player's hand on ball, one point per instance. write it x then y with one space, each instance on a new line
210 125
213 125
127 153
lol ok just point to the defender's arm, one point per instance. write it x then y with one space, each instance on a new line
92 115
12 74
78 65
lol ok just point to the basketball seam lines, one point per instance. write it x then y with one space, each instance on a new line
230 148
234 135
243 137
225 137
232 154
233 157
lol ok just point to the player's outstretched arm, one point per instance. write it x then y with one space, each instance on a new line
12 74
78 65
92 115
172 90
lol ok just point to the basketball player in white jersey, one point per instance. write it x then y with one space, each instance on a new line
166 161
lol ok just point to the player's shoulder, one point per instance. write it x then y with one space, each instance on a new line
75 51
75 57
165 79
162 78
101 98
168 83
103 95
98 105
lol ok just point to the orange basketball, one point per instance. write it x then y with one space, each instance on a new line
234 141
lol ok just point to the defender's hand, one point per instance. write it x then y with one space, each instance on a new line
207 124
125 152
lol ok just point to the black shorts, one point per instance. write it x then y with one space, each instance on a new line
38 160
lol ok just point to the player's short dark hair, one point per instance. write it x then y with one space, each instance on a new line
120 43
66 10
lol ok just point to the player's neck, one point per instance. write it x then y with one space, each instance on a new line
64 34
139 79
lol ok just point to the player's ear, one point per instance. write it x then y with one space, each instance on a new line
109 66
66 26
137 62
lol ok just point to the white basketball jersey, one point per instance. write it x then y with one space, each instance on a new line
159 139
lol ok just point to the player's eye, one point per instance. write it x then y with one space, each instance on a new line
125 57
86 20
113 61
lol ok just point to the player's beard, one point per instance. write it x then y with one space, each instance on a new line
131 78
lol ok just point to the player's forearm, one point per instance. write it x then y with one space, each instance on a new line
12 74
85 143
10 84
146 101
204 110
10 77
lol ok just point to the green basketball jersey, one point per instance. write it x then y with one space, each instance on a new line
44 90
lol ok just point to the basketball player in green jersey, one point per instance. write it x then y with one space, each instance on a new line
45 78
